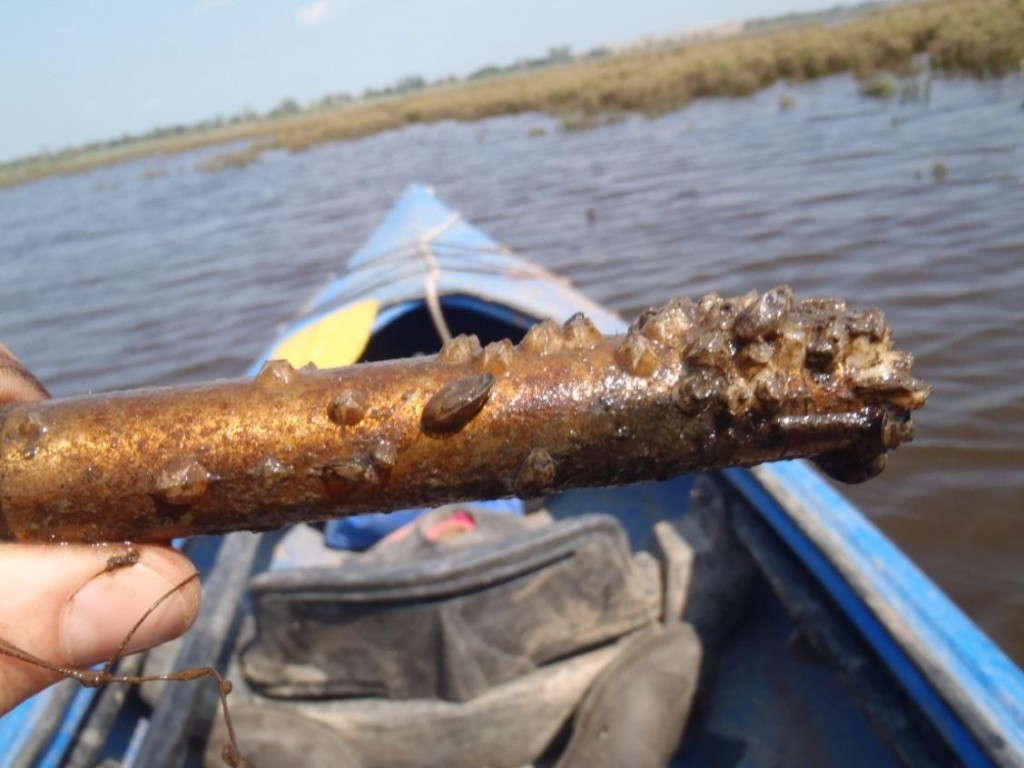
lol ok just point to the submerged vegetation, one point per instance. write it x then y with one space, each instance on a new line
983 38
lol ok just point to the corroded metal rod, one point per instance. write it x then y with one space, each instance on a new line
693 385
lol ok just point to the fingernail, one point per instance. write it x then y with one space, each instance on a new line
97 618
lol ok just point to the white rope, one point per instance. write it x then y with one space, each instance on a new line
433 272
381 264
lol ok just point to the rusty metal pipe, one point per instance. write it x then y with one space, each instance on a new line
691 386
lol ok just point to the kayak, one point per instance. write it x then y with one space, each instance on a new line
746 617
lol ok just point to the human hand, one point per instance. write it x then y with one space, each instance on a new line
65 605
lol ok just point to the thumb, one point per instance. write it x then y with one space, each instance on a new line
62 604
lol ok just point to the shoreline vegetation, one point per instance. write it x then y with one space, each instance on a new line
876 42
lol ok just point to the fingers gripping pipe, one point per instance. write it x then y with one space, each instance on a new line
691 386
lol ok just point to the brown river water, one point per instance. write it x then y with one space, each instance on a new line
153 272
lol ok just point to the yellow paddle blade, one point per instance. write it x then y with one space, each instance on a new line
333 341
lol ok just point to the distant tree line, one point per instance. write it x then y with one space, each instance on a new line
560 55
805 16
289 106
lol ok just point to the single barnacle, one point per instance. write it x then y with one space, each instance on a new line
456 403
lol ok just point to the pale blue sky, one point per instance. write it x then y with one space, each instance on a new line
72 71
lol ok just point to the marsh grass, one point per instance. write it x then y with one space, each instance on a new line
880 86
983 38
